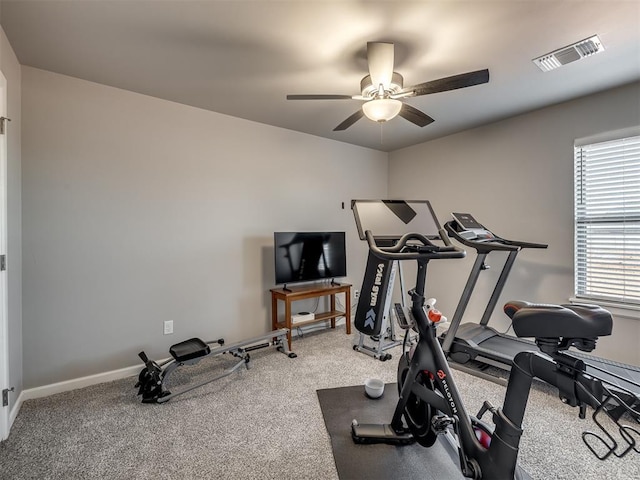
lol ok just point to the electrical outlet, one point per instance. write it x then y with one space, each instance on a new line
356 294
168 327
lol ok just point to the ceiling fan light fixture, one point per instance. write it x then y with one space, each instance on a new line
381 109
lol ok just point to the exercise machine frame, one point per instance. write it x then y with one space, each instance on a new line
464 342
374 317
154 376
430 402
387 338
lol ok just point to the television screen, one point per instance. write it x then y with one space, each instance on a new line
308 256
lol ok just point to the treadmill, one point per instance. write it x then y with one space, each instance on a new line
474 347
479 343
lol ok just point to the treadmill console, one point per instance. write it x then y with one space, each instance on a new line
470 229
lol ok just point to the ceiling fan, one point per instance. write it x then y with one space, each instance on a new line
383 88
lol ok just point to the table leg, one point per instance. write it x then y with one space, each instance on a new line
347 313
287 319
333 309
274 312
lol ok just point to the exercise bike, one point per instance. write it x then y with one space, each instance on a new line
431 405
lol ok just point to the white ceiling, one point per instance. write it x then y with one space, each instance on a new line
241 57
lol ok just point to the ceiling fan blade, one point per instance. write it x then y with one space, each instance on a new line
450 83
349 121
415 116
319 97
380 59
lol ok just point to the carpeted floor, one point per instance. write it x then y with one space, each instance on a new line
340 406
262 423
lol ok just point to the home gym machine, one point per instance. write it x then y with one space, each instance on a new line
390 219
431 405
477 343
472 347
373 320
154 376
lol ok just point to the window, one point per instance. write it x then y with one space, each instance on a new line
607 219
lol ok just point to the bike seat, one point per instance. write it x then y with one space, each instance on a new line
189 349
558 321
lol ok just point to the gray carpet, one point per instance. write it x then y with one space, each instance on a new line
262 423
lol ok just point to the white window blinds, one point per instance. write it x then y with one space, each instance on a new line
607 220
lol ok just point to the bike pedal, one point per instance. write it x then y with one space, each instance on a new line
441 423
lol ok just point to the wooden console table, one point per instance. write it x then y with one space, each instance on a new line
294 294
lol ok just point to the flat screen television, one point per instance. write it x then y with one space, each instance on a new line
309 256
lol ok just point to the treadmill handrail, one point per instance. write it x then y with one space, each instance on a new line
497 243
524 244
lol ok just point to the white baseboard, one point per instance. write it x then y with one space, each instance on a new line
15 409
68 385
74 384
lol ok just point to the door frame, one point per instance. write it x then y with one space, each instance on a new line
4 320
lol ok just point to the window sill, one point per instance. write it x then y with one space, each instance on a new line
616 309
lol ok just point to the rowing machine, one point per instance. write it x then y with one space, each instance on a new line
153 377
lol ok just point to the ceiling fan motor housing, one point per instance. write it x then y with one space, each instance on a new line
371 91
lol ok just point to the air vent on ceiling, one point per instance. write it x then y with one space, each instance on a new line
569 54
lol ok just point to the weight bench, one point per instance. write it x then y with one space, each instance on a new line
153 377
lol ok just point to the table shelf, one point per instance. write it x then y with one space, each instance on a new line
294 294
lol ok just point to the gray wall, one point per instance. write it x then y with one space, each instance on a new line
138 210
516 177
11 70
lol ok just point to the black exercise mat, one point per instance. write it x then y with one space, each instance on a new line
341 405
